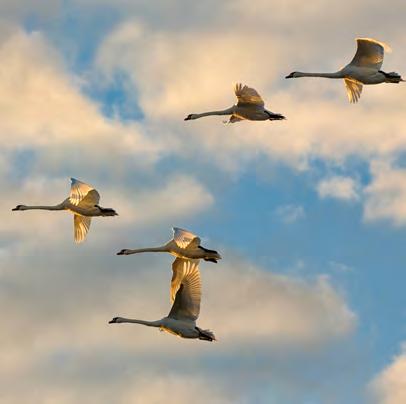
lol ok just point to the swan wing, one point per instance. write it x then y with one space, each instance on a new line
247 95
369 53
81 226
83 194
186 290
184 238
234 118
354 90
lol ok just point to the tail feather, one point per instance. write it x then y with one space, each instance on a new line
392 77
107 211
206 335
207 250
275 117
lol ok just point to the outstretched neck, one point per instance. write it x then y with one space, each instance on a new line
45 207
227 111
144 322
149 249
336 75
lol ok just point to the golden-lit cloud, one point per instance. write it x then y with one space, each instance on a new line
389 387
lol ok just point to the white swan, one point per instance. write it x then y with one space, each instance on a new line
250 106
183 245
186 296
363 69
83 203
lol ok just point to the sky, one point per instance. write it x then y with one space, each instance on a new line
309 214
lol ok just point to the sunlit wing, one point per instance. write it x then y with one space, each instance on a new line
354 90
83 194
186 290
247 95
184 238
81 226
234 118
369 53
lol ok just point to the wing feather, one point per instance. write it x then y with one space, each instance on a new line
81 226
83 194
247 95
369 53
354 90
184 238
185 290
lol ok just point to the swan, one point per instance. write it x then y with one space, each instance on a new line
249 106
184 244
83 203
186 296
363 69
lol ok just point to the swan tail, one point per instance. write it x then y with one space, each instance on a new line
276 117
392 77
206 335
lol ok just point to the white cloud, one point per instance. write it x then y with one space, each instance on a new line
290 213
174 75
386 194
262 306
339 187
43 107
66 338
389 387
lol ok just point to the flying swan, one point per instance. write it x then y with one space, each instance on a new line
249 106
363 69
83 203
181 320
184 244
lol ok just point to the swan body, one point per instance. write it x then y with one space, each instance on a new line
250 106
82 202
363 69
184 244
186 297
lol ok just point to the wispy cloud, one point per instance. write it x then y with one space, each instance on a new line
290 213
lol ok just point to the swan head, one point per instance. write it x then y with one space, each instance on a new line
116 320
190 116
124 252
20 207
292 75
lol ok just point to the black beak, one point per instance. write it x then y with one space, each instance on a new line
188 118
289 76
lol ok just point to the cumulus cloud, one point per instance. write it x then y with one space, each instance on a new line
389 387
262 306
43 108
339 187
175 75
57 336
386 194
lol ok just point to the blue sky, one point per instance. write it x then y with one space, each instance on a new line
308 302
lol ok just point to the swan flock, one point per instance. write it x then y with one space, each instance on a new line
186 286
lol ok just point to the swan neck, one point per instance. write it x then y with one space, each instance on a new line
227 111
336 75
149 249
144 322
44 207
